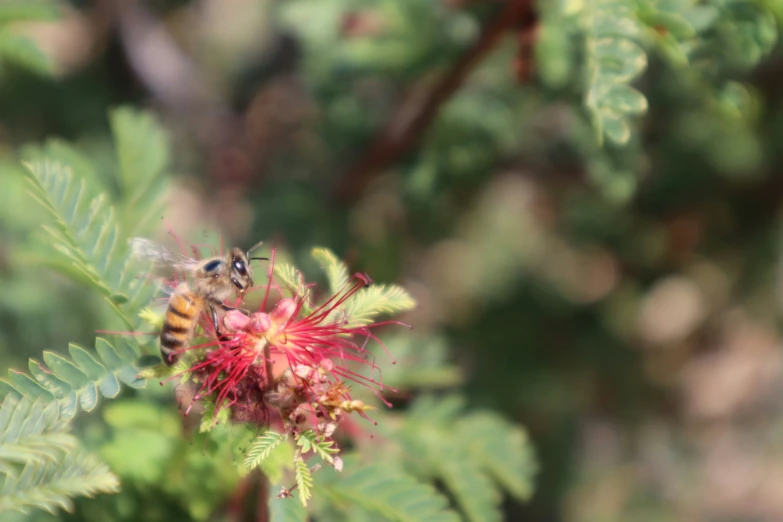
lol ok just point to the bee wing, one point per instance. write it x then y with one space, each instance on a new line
160 255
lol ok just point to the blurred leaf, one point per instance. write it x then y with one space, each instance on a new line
51 485
283 509
21 10
387 491
304 480
31 432
80 380
262 447
465 450
23 51
86 232
142 152
336 271
292 281
368 302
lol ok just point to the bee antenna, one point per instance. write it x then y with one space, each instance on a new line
253 248
259 258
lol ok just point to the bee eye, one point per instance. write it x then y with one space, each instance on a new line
212 265
239 266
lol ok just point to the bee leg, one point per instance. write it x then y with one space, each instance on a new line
227 308
219 335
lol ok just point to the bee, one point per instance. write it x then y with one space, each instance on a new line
214 279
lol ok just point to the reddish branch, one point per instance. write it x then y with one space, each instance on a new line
419 110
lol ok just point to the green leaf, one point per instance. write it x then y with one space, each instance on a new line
614 59
283 509
209 419
31 432
23 51
471 487
465 451
86 362
21 10
142 153
79 382
304 480
47 379
28 387
387 491
86 229
502 449
308 440
363 306
336 271
51 485
292 281
261 447
65 370
86 232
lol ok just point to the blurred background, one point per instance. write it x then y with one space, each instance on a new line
621 301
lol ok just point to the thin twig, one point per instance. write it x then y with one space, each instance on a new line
419 110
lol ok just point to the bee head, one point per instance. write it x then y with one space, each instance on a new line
241 275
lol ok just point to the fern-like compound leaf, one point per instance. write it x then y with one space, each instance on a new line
31 431
615 59
476 495
142 152
261 447
502 449
388 492
86 229
336 271
292 281
369 302
325 449
80 381
304 480
50 485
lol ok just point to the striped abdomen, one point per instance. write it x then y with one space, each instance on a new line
180 321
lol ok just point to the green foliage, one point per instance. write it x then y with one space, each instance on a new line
615 59
262 447
51 485
24 10
368 302
304 480
31 432
87 234
283 510
41 465
293 281
16 47
22 51
142 154
387 491
80 381
38 406
336 271
474 454
359 309
421 362
326 449
374 300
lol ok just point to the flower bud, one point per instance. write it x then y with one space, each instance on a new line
260 323
283 311
234 320
303 371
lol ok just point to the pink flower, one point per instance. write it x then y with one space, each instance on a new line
317 350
